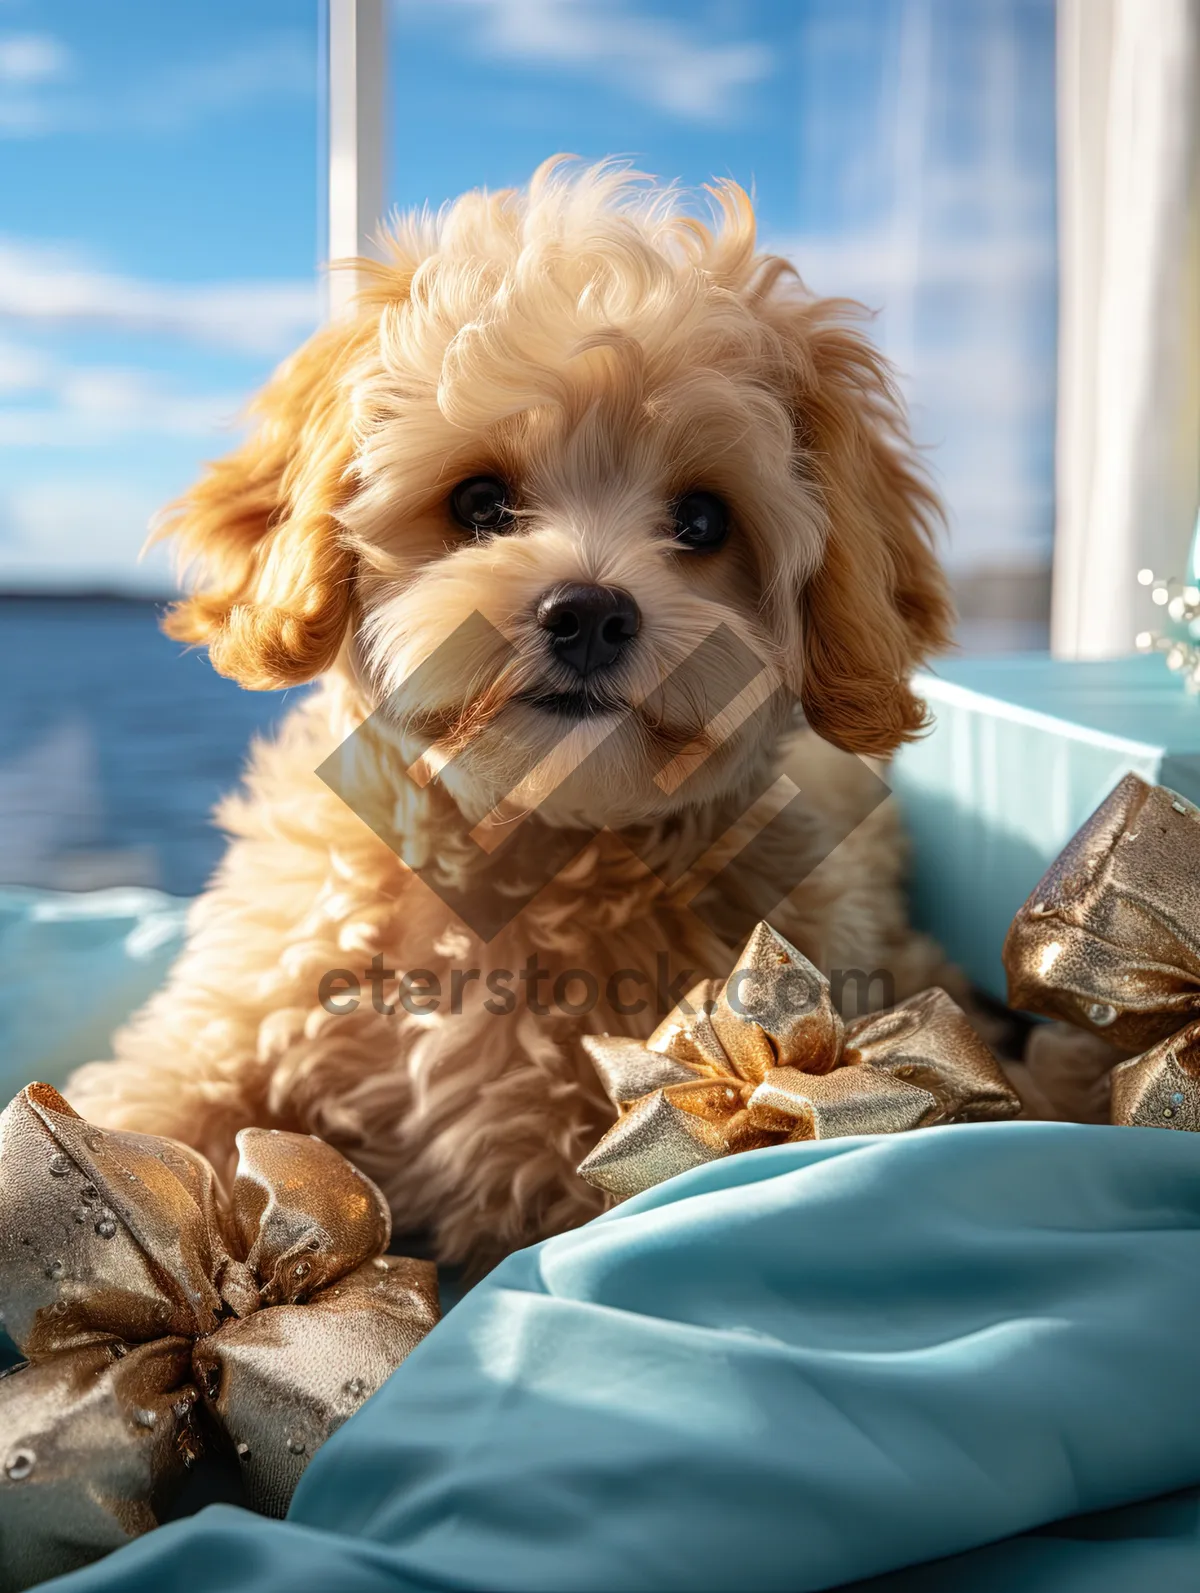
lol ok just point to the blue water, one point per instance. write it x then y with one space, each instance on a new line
114 745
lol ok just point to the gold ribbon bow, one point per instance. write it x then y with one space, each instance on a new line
162 1320
1110 938
1109 941
763 1058
1162 1088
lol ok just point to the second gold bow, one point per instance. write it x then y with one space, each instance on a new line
764 1057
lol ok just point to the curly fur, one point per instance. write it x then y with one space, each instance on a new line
603 352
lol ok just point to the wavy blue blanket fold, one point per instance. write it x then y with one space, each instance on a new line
787 1370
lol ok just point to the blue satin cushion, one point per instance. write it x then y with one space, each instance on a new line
785 1371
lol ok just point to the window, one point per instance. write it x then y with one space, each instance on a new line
901 152
162 174
157 257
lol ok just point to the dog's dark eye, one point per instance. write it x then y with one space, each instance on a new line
481 504
701 521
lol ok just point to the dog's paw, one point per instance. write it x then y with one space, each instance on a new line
1064 1075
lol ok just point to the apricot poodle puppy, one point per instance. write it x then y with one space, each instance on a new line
599 535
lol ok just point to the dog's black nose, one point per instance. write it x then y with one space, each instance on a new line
588 625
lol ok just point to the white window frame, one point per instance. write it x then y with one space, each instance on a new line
355 136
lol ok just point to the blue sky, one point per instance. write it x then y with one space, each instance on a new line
158 249
159 230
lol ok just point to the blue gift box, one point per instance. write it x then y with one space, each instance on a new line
1023 750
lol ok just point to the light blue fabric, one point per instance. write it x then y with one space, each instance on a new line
72 967
1146 1548
1023 749
784 1371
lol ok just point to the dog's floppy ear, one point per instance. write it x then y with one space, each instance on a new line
878 604
273 583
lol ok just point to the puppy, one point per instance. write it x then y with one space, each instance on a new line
573 520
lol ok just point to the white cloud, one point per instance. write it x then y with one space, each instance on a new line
37 101
49 403
29 58
54 287
74 532
659 60
90 406
30 65
22 370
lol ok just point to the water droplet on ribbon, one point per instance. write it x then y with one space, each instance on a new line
106 1228
1102 1013
19 1465
145 1418
55 1269
296 1445
60 1165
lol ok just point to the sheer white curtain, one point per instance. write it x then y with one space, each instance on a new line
1129 362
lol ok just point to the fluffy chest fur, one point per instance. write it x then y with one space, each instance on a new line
327 988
